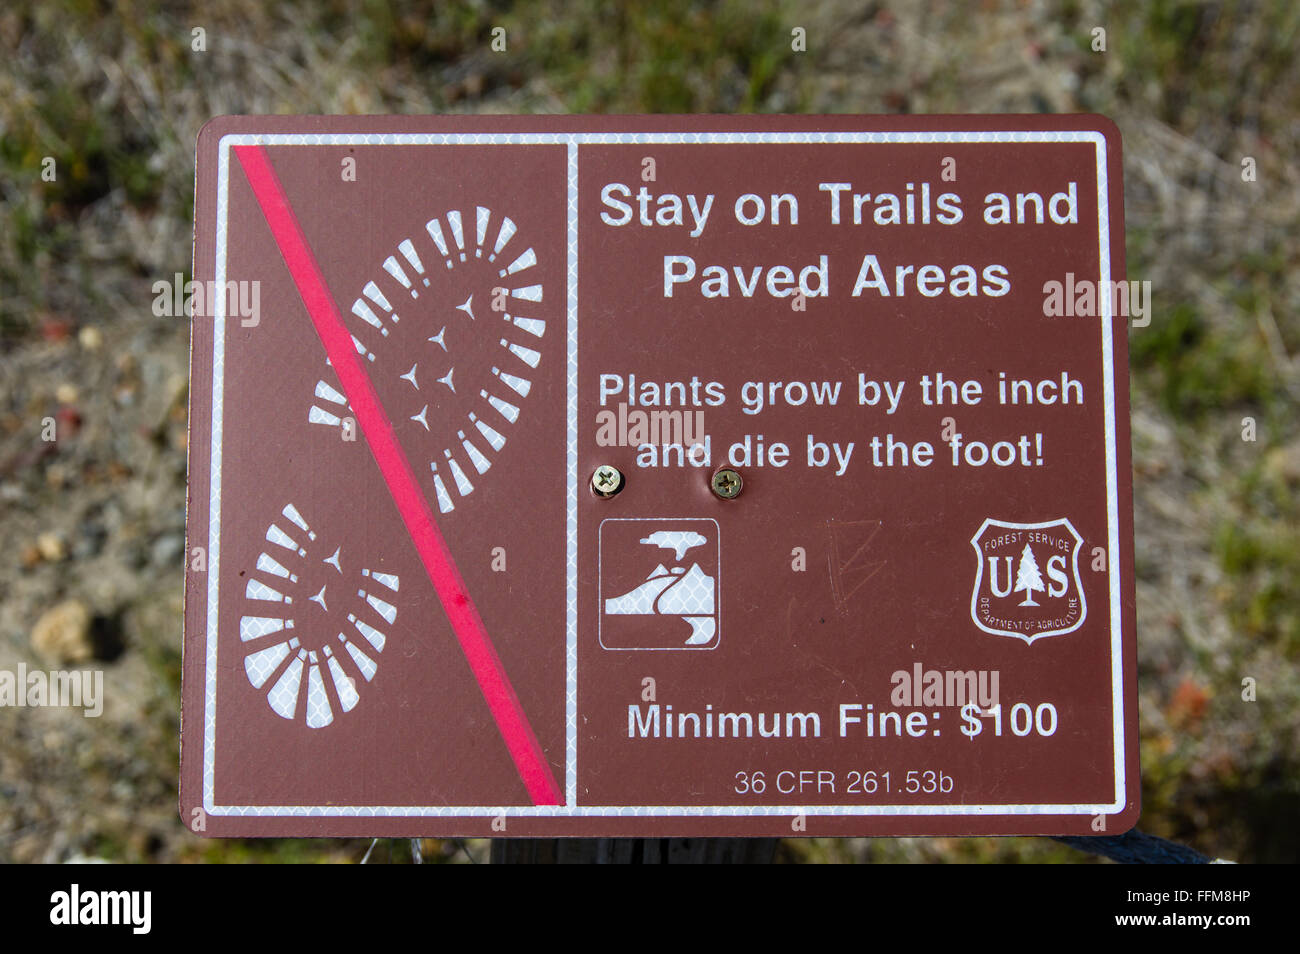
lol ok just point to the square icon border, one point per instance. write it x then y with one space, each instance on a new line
600 537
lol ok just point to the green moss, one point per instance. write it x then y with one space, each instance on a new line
1195 368
674 56
1263 559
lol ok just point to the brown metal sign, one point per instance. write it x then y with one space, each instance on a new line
659 476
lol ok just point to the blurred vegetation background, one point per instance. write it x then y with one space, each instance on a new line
115 93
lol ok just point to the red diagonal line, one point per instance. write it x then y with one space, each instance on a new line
465 621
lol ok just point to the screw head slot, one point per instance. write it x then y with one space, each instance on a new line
727 484
606 480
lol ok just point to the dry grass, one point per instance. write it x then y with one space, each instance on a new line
116 95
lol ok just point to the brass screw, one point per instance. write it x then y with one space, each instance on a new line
726 484
606 481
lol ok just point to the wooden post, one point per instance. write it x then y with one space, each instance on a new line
633 851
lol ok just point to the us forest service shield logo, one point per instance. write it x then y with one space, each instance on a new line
1027 579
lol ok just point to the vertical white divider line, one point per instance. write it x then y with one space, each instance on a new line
214 483
571 554
1112 480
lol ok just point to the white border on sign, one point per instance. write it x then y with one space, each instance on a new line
571 808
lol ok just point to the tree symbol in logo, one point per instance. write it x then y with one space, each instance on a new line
1027 577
